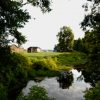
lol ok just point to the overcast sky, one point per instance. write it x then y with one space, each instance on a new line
42 29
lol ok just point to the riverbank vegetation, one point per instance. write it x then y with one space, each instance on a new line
93 93
67 59
51 63
36 93
19 68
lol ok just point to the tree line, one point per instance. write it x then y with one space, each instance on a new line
67 43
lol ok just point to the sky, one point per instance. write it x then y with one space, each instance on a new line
41 30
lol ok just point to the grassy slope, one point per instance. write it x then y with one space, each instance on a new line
64 59
41 54
72 58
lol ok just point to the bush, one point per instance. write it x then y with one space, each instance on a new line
46 63
14 74
51 63
3 92
39 64
93 93
36 93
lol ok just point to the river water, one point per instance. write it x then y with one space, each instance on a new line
60 90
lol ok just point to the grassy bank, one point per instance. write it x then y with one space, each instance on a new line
60 61
41 54
31 65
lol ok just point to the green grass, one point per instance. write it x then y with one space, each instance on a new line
72 58
41 54
65 61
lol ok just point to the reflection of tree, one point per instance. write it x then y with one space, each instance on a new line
90 76
38 79
80 78
65 79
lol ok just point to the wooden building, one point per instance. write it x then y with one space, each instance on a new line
33 49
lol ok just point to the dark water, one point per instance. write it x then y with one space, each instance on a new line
61 89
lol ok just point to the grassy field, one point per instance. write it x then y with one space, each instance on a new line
65 60
72 58
41 54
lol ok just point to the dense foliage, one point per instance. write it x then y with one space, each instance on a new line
14 68
36 93
13 74
91 25
10 20
65 40
12 17
93 93
79 45
92 36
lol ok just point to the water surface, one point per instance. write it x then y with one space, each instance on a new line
60 90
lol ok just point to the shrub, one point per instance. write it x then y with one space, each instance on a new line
3 92
39 64
36 93
14 74
93 93
51 63
46 63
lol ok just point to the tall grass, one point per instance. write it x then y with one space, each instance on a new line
72 59
41 54
56 60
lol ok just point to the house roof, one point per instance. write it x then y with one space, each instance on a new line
34 47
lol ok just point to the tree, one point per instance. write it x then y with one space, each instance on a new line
65 39
92 35
79 45
13 17
92 17
91 26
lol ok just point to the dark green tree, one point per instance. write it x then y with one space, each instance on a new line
56 48
91 26
65 39
13 17
79 45
14 68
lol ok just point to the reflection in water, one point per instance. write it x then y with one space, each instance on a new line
65 79
74 92
38 79
89 76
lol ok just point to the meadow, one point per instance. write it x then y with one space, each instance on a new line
63 61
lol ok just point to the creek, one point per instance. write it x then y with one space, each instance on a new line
60 88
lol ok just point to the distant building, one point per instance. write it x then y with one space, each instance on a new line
15 48
33 49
